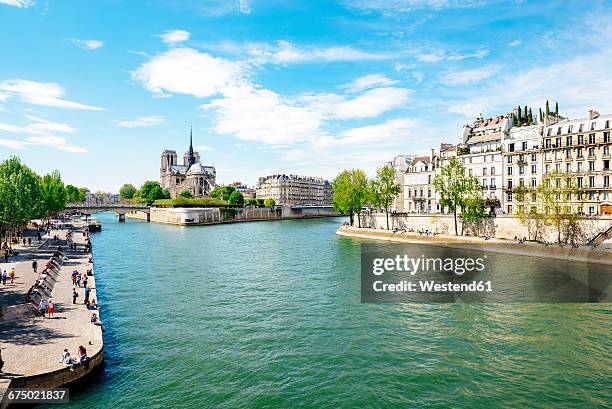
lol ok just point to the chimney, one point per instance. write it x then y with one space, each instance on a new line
592 114
433 153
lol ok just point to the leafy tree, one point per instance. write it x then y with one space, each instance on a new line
151 191
557 109
556 193
269 202
236 198
21 198
250 202
385 188
541 116
74 194
547 108
473 210
127 191
186 194
223 192
53 192
455 188
350 193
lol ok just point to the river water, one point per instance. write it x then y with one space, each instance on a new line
268 314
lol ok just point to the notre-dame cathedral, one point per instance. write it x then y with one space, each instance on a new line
191 176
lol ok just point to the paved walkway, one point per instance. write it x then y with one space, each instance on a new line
33 346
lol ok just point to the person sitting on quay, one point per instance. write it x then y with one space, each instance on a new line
42 307
96 321
83 358
66 359
92 305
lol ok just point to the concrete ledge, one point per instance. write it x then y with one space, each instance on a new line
581 254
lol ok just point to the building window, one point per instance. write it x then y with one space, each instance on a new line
579 181
592 126
470 172
509 159
580 139
511 147
606 181
524 146
557 142
509 196
510 184
492 183
534 182
549 131
579 152
568 141
606 150
547 143
558 167
521 170
547 168
509 170
492 170
581 128
534 169
568 154
606 164
568 167
607 124
570 129
591 138
534 157
606 137
484 171
580 167
591 166
591 210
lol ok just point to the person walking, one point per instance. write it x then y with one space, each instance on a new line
51 309
42 307
74 277
35 265
78 279
85 281
75 295
12 275
4 277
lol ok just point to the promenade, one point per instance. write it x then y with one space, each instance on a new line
32 345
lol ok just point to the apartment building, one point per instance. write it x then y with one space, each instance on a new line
582 147
419 193
522 163
481 153
400 163
295 190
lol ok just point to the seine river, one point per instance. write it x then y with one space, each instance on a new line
268 314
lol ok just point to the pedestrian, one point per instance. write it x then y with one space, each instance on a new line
74 277
4 277
1 361
87 291
42 306
78 279
12 275
85 281
35 265
75 295
29 241
51 309
82 354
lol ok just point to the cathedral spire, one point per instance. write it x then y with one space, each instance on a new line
190 155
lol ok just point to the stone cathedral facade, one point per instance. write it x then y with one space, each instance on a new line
191 176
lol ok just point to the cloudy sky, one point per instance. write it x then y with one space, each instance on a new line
98 89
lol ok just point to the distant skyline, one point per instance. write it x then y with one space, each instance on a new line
98 89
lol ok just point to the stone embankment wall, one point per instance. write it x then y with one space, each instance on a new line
581 254
501 226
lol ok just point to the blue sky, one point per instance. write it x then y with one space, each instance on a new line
98 89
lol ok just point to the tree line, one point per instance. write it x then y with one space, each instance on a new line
24 195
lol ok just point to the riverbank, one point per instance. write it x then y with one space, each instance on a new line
600 255
32 345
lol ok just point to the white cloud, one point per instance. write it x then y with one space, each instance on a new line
244 6
514 43
144 121
441 55
368 104
398 67
286 53
18 3
175 36
203 148
263 116
471 76
41 93
418 77
392 7
187 71
42 131
368 81
87 44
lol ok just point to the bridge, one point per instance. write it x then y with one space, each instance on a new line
120 209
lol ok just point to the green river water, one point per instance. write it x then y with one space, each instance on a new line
268 314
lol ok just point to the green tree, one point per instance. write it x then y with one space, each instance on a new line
223 192
385 188
21 199
350 193
541 116
53 192
127 191
547 108
151 191
74 194
556 194
557 109
268 201
186 194
473 210
251 202
455 188
236 198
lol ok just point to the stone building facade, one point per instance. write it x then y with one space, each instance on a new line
295 190
191 176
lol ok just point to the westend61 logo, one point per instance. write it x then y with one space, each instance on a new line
412 273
